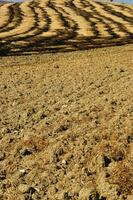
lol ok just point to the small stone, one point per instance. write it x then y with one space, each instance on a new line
22 172
21 197
3 41
106 161
26 151
3 130
24 188
4 86
35 196
2 174
63 127
88 193
64 106
113 103
2 155
43 116
13 42
67 196
56 66
121 70
14 103
64 162
129 138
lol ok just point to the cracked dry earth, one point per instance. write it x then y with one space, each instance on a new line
66 125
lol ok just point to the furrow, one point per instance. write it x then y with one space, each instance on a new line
100 26
123 12
116 26
14 19
41 23
70 26
26 24
111 28
56 24
84 26
62 25
5 15
125 25
78 7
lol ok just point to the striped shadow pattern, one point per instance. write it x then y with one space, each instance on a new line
63 25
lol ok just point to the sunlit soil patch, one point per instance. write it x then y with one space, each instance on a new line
51 26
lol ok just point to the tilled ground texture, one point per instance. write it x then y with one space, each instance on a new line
66 126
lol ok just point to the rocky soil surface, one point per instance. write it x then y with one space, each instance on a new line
66 125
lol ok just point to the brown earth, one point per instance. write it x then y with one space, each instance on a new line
66 125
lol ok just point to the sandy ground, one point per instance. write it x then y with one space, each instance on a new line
66 125
63 25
